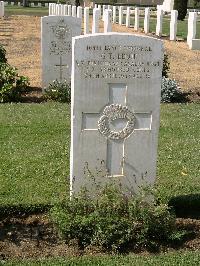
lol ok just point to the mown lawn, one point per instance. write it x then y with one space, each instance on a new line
35 146
28 11
174 259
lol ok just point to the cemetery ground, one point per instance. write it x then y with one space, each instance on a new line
34 161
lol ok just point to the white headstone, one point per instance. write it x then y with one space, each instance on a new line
39 4
32 4
1 8
65 10
99 7
50 9
192 24
73 11
114 14
46 4
159 22
137 19
12 3
62 10
56 36
116 84
173 25
58 10
146 19
168 5
79 12
69 10
108 20
128 10
86 20
120 15
19 3
103 11
95 21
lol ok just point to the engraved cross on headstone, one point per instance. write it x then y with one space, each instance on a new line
61 66
116 154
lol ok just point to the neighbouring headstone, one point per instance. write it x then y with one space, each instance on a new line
56 36
173 25
86 20
168 5
137 19
128 13
79 12
159 22
69 10
1 8
73 11
116 85
114 14
121 9
192 24
146 19
95 20
108 20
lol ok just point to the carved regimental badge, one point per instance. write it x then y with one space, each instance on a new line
61 30
62 39
114 112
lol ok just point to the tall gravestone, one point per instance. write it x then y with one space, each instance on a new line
116 85
56 47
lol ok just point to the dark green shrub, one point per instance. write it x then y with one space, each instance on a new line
58 91
114 221
181 6
196 3
166 66
11 84
2 54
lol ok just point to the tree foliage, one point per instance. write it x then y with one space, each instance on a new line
181 6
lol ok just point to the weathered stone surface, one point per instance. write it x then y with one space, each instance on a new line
57 33
116 83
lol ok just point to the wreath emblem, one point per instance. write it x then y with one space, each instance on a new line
111 113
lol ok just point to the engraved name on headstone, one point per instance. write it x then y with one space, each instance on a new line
116 84
57 33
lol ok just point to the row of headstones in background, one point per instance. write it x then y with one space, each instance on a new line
192 21
115 87
65 10
30 4
1 8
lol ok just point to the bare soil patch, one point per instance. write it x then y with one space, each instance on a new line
35 237
21 36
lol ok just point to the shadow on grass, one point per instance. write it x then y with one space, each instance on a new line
186 206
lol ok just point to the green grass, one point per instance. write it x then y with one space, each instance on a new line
173 259
28 11
35 145
34 158
179 150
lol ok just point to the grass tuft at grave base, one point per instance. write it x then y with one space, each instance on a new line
35 146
